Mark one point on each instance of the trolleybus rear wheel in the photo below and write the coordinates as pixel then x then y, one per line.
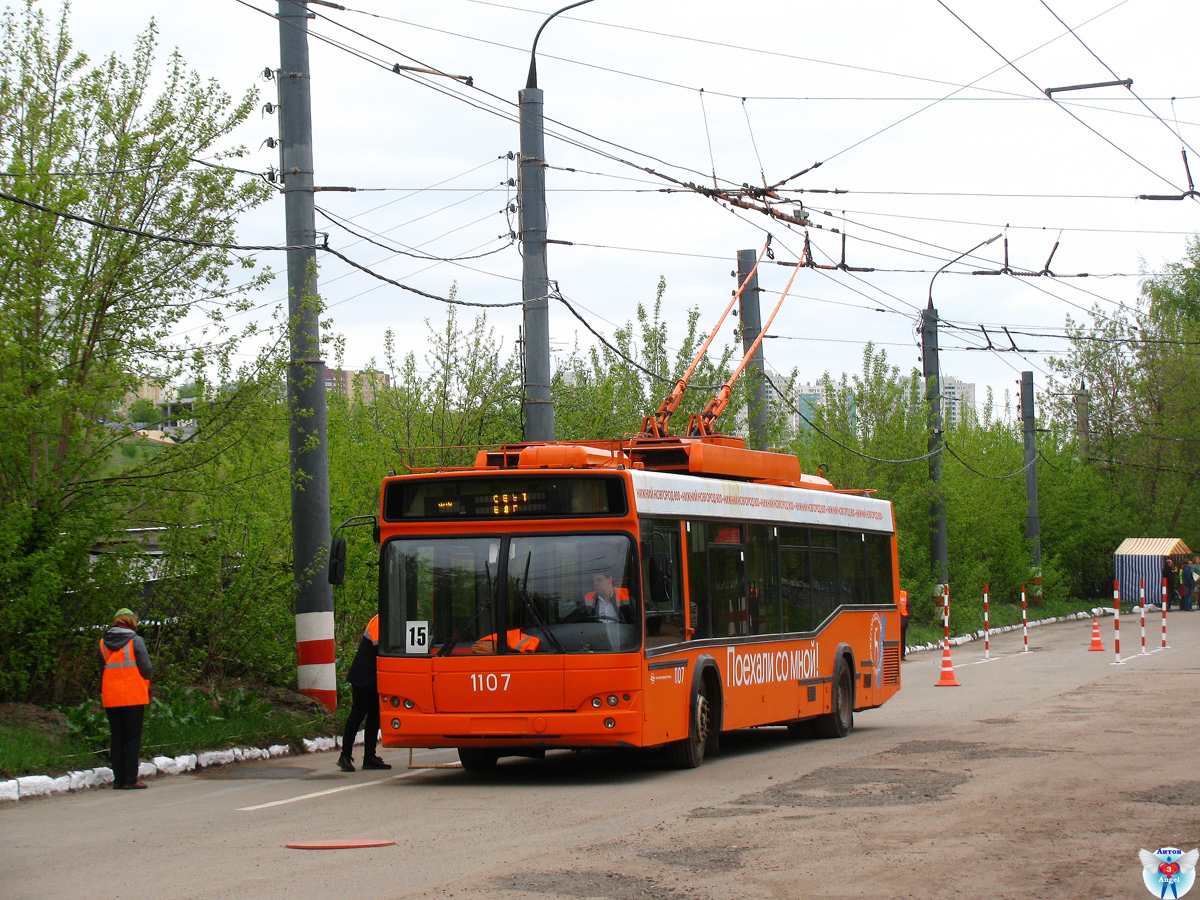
pixel 840 720
pixel 689 753
pixel 477 759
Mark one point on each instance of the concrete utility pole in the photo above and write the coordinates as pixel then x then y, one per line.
pixel 933 396
pixel 535 280
pixel 307 438
pixel 1083 402
pixel 1033 525
pixel 751 326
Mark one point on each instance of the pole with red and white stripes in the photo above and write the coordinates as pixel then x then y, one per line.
pixel 1024 622
pixel 1164 615
pixel 946 613
pixel 986 647
pixel 1142 598
pixel 1117 622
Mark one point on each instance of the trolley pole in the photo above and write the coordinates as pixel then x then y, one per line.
pixel 307 438
pixel 751 326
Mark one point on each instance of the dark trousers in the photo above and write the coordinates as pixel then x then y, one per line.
pixel 365 706
pixel 125 723
pixel 903 636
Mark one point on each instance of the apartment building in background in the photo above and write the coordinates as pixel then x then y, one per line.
pixel 368 383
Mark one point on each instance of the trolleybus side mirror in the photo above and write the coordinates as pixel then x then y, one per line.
pixel 337 560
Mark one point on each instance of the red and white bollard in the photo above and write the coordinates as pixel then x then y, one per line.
pixel 1142 599
pixel 1117 623
pixel 1024 622
pixel 986 647
pixel 1164 616
pixel 946 612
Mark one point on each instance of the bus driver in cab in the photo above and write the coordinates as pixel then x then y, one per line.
pixel 606 602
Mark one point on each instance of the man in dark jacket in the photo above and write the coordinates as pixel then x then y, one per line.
pixel 365 704
pixel 125 692
pixel 1171 574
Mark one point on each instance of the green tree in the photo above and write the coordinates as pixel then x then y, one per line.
pixel 87 313
pixel 1141 366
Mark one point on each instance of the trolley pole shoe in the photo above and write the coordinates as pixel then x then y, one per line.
pixel 947 679
pixel 1097 644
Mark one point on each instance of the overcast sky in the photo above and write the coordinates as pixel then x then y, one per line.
pixel 936 140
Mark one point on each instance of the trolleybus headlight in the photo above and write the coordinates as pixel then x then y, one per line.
pixel 612 699
pixel 596 702
pixel 610 723
pixel 408 704
pixel 395 701
pixel 395 724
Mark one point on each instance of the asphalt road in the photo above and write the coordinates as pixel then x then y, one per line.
pixel 1041 775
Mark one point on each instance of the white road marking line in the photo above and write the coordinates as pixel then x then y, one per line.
pixel 336 790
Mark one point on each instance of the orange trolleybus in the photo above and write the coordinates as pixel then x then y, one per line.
pixel 648 594
pixel 654 591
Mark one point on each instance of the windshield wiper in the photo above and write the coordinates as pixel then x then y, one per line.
pixel 453 641
pixel 532 607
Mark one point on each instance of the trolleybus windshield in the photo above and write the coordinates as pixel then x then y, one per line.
pixel 546 593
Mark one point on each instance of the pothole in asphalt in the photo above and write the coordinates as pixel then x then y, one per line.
pixel 963 750
pixel 712 859
pixel 1006 721
pixel 1179 793
pixel 610 885
pixel 713 812
pixel 265 772
pixel 849 787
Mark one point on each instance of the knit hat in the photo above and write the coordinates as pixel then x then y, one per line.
pixel 125 618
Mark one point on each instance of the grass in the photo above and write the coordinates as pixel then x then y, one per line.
pixel 34 741
pixel 28 750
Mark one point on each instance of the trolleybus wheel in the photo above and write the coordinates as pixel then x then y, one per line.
pixel 840 720
pixel 477 759
pixel 689 753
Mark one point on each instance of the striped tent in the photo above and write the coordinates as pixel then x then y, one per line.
pixel 1142 558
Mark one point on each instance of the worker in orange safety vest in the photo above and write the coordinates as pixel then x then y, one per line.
pixel 125 692
pixel 607 602
pixel 516 639
pixel 903 604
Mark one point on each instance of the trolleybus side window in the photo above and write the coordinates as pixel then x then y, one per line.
pixel 763 595
pixel 701 617
pixel 879 569
pixel 795 579
pixel 662 588
pixel 852 584
pixel 825 587
pixel 727 579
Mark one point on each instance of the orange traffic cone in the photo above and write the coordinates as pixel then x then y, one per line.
pixel 1096 644
pixel 947 679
